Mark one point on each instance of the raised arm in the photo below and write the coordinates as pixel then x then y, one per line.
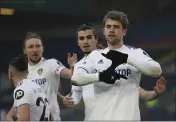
pixel 158 90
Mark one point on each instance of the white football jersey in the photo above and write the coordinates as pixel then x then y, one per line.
pixel 46 73
pixel 117 101
pixel 87 91
pixel 29 93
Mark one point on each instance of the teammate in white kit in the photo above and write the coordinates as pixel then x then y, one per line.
pixel 45 72
pixel 87 41
pixel 30 102
pixel 115 73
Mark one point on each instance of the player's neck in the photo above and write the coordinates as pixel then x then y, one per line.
pixel 86 54
pixel 117 46
pixel 32 62
pixel 18 79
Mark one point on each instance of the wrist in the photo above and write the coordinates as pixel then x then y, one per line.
pixel 156 94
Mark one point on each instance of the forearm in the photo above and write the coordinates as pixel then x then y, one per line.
pixel 148 67
pixel 147 95
pixel 84 79
pixel 10 114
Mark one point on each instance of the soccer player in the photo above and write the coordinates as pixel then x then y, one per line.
pixel 30 102
pixel 45 72
pixel 87 41
pixel 114 94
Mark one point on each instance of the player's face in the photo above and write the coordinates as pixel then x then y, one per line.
pixel 87 41
pixel 114 31
pixel 34 50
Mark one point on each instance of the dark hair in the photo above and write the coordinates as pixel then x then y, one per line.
pixel 30 35
pixel 86 27
pixel 117 15
pixel 19 63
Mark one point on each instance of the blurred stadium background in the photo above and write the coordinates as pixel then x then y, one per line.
pixel 152 27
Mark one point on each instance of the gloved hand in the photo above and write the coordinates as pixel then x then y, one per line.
pixel 116 57
pixel 109 76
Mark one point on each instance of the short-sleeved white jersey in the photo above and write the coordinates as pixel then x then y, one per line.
pixel 29 93
pixel 46 73
pixel 117 101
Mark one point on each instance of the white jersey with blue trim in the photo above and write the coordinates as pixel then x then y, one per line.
pixel 29 93
pixel 46 73
pixel 87 92
pixel 117 101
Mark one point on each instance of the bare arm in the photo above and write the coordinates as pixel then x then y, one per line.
pixel 147 95
pixel 10 114
pixel 24 113
pixel 158 90
pixel 66 73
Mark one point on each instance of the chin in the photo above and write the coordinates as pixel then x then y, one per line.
pixel 35 60
pixel 113 42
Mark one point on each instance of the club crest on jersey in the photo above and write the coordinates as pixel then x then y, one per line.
pixel 40 71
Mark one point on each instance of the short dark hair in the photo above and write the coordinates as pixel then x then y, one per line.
pixel 117 15
pixel 30 35
pixel 19 63
pixel 87 27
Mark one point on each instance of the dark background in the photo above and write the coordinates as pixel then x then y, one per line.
pixel 152 28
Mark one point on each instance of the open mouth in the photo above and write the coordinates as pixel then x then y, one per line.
pixel 86 46
pixel 111 35
pixel 35 55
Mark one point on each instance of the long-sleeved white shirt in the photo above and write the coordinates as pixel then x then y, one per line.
pixel 117 101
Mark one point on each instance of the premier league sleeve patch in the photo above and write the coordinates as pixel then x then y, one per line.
pixel 19 94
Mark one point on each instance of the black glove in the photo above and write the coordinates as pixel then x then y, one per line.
pixel 109 76
pixel 116 57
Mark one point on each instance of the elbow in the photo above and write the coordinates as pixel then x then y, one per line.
pixel 156 71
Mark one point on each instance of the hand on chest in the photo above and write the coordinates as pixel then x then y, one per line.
pixel 123 69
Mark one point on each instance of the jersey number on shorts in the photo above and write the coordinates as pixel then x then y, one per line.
pixel 45 103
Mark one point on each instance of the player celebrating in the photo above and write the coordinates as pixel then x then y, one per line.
pixel 30 102
pixel 115 95
pixel 45 72
pixel 87 41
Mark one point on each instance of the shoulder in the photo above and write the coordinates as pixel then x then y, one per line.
pixel 95 53
pixel 131 47
pixel 20 91
pixel 141 51
pixel 81 61
pixel 134 49
pixel 53 63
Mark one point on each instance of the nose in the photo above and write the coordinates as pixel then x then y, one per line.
pixel 85 41
pixel 35 49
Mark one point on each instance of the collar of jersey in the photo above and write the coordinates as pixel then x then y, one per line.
pixel 19 83
pixel 119 49
pixel 32 66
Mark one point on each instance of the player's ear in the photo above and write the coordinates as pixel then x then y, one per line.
pixel 104 31
pixel 10 74
pixel 124 32
pixel 24 51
